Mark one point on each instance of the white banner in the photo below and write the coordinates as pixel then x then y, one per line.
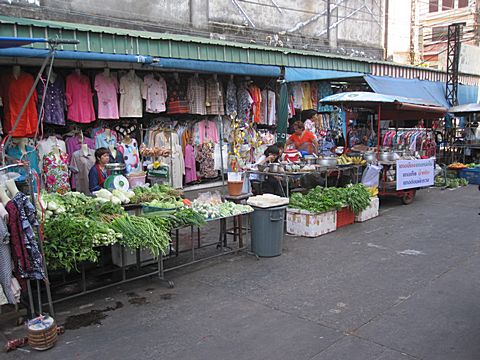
pixel 415 173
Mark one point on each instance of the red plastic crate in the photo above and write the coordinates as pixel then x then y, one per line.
pixel 345 217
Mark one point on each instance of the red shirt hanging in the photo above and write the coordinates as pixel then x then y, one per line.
pixel 14 94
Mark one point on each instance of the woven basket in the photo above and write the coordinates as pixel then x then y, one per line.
pixel 42 339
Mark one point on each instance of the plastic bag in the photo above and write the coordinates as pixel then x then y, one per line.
pixel 371 175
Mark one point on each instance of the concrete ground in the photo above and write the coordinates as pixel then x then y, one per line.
pixel 403 286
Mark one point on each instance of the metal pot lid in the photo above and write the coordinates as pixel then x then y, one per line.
pixel 115 166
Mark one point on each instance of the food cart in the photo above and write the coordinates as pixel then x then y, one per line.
pixel 401 174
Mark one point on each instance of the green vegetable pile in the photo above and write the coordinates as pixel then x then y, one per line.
pixel 319 200
pixel 140 232
pixel 219 210
pixel 450 183
pixel 163 193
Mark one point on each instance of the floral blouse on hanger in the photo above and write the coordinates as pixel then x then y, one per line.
pixel 55 172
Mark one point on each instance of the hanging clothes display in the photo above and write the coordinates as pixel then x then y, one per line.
pixel 14 93
pixel 206 160
pixel 55 172
pixel 268 106
pixel 244 103
pixel 129 149
pixel 131 94
pixel 190 165
pixel 196 94
pixel 314 92
pixel 79 96
pixel 205 130
pixel 74 143
pixel 297 93
pixel 6 268
pixel 307 96
pixel 106 86
pixel 55 104
pixel 324 90
pixel 214 97
pixel 29 154
pixel 177 98
pixel 47 145
pixel 256 95
pixel 218 156
pixel 80 165
pixel 105 138
pixel 155 93
pixel 231 98
pixel 22 220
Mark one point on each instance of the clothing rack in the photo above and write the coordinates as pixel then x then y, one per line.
pixel 29 178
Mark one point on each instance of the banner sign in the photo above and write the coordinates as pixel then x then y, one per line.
pixel 415 173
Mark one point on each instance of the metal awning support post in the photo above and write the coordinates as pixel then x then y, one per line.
pixel 378 130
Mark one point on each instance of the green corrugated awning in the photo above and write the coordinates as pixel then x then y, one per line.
pixel 133 42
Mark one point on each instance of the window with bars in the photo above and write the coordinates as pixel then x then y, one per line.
pixel 439 33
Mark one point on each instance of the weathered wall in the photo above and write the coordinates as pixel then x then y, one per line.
pixel 356 25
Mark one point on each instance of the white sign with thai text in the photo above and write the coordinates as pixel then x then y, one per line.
pixel 415 173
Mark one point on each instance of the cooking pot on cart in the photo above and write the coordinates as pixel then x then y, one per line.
pixel 310 159
pixel 370 156
pixel 327 161
pixel 386 156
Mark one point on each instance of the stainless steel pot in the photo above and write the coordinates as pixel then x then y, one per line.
pixel 328 161
pixel 370 156
pixel 386 156
pixel 310 159
pixel 275 167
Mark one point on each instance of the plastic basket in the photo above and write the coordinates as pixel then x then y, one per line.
pixel 345 217
pixel 472 175
pixel 136 180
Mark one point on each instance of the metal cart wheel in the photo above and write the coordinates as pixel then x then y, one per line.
pixel 408 197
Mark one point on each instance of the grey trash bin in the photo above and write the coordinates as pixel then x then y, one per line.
pixel 267 231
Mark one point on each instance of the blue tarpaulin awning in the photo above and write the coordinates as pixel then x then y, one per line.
pixel 218 67
pixel 431 91
pixel 302 74
pixel 12 42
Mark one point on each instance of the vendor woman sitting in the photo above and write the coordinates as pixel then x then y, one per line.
pixel 303 140
pixel 98 173
pixel 270 183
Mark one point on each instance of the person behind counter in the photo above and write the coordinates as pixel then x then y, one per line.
pixel 271 183
pixel 98 173
pixel 303 140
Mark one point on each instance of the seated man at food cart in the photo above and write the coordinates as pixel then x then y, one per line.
pixel 303 140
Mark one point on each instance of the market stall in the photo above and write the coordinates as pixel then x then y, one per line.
pixel 406 155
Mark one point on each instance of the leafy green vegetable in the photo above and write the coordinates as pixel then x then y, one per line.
pixel 139 232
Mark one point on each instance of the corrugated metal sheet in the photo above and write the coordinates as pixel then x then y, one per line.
pixel 124 41
pixel 410 72
pixel 133 42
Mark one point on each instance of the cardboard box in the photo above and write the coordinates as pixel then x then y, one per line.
pixel 305 223
pixel 370 212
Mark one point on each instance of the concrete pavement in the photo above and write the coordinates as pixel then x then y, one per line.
pixel 403 286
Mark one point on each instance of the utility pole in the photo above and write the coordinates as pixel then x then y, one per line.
pixel 413 23
pixel 385 38
pixel 453 59
pixel 329 20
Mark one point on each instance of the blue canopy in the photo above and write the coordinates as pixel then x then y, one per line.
pixel 12 42
pixel 363 97
pixel 432 91
pixel 302 74
pixel 218 67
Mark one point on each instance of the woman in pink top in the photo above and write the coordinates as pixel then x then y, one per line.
pixel 78 94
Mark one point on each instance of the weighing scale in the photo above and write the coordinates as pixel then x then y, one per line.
pixel 116 179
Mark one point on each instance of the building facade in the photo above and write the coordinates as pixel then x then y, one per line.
pixel 434 16
pixel 344 27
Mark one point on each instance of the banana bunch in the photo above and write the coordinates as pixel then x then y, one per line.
pixel 373 190
pixel 358 160
pixel 344 160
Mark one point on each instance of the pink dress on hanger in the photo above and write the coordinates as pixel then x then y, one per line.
pixel 190 166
